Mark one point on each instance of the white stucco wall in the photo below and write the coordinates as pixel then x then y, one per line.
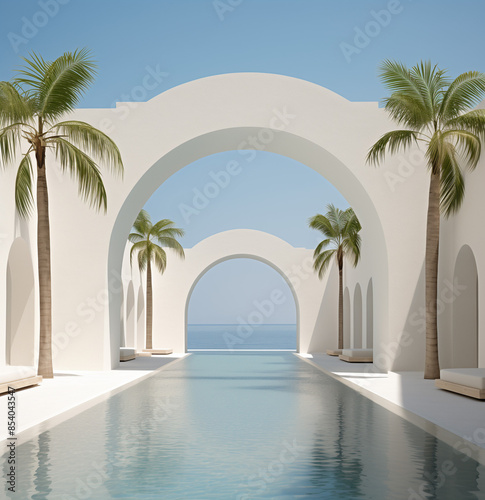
pixel 244 111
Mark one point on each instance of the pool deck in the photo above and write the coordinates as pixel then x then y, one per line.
pixel 41 407
pixel 457 420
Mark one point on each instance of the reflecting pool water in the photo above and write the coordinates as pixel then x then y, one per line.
pixel 242 426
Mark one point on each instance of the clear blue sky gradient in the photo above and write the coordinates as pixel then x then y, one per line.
pixel 186 39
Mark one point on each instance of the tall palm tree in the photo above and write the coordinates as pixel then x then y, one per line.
pixel 342 240
pixel 436 113
pixel 31 106
pixel 148 241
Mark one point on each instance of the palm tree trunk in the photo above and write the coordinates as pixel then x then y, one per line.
pixel 432 366
pixel 340 307
pixel 149 344
pixel 44 266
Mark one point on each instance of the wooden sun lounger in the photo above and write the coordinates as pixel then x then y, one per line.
pixel 334 352
pixel 20 384
pixel 465 381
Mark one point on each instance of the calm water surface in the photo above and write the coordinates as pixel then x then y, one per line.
pixel 242 426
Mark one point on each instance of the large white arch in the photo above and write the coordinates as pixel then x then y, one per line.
pixel 242 112
pixel 357 329
pixel 173 289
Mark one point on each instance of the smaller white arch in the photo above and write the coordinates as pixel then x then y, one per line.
pixel 346 318
pixel 20 320
pixel 465 311
pixel 140 320
pixel 357 329
pixel 369 316
pixel 130 316
pixel 172 291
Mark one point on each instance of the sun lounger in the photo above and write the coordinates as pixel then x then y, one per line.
pixel 18 377
pixel 334 352
pixel 466 381
pixel 127 353
pixel 357 355
pixel 159 351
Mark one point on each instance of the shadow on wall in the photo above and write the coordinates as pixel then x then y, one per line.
pixel 325 332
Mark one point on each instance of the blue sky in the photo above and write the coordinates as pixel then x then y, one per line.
pixel 337 44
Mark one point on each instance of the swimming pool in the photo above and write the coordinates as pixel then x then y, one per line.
pixel 242 426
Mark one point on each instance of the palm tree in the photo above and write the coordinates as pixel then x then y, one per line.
pixel 31 106
pixel 148 241
pixel 436 113
pixel 342 240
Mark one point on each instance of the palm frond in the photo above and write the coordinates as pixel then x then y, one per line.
pixel 135 237
pixel 452 185
pixel 136 249
pixel 143 223
pixel 60 84
pixel 464 93
pixel 323 260
pixel 9 141
pixel 85 171
pixel 469 145
pixel 15 107
pixel 322 224
pixel 24 200
pixel 321 246
pixel 391 141
pixel 92 141
pixel 159 257
pixel 473 121
pixel 406 111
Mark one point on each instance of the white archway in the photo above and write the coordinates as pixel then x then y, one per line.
pixel 256 316
pixel 465 311
pixel 20 327
pixel 347 317
pixel 369 316
pixel 130 316
pixel 357 330
pixel 238 112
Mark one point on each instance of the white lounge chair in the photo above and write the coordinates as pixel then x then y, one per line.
pixel 127 353
pixel 18 377
pixel 159 351
pixel 334 352
pixel 466 381
pixel 357 355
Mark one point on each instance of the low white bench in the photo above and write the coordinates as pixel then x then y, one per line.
pixel 466 381
pixel 127 353
pixel 334 352
pixel 159 351
pixel 18 377
pixel 357 355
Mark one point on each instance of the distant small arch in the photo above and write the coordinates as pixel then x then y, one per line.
pixel 369 315
pixel 130 316
pixel 465 310
pixel 357 317
pixel 346 318
pixel 20 327
pixel 140 319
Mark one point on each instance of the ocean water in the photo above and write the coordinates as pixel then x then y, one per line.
pixel 240 426
pixel 241 337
